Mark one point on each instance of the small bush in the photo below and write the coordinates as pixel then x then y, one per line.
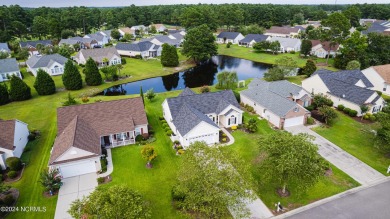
pixel 228 44
pixel 310 108
pixel 346 110
pixel 167 129
pixel 12 174
pixel 14 163
pixel 139 138
pixel 205 89
pixel 100 180
pixel 31 136
pixel 165 125
pixel 352 113
pixel 107 44
pixel 372 118
pixel 176 195
pixel 224 139
pixel 138 57
pixel 176 142
pixel 169 133
pixel 234 127
pixel 179 147
pixel 82 65
pixel 180 151
pixel 367 116
pixel 161 118
pixel 310 121
pixel 223 134
pixel 123 61
pixel 143 142
pixel 85 99
pixel 9 200
pixel 340 107
pixel 103 163
pixel 292 52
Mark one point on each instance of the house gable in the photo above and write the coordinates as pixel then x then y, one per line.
pixel 73 153
pixel 201 128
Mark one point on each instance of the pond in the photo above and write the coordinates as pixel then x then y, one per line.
pixel 205 74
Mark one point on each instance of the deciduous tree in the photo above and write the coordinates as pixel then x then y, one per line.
pixel 199 44
pixel 149 154
pixel 352 65
pixel 327 113
pixel 309 68
pixel 115 34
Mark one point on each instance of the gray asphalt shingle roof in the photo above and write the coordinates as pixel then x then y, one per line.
pixel 256 37
pixel 96 36
pixel 8 65
pixel 342 84
pixel 228 35
pixel 376 27
pixel 165 39
pixel 35 43
pixel 189 109
pixel 4 46
pixel 99 54
pixel 46 60
pixel 264 93
pixel 140 46
pixel 286 42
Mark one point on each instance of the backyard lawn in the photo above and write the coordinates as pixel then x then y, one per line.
pixel 248 149
pixel 248 53
pixel 357 139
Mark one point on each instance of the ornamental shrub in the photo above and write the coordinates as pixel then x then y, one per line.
pixel 19 90
pixel 44 84
pixel 14 163
pixel 139 138
pixel 352 113
pixel 12 174
pixel 346 110
pixel 340 107
pixel 310 121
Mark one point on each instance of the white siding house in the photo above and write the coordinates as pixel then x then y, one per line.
pixel 9 67
pixel 13 139
pixel 99 55
pixel 379 76
pixel 229 37
pixel 53 64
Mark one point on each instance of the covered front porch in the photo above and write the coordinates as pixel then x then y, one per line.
pixel 119 139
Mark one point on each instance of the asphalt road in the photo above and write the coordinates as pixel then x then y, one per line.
pixel 371 203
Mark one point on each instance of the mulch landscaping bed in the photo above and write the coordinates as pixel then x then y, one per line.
pixel 364 121
pixel 47 194
pixel 17 178
pixel 15 193
pixel 107 179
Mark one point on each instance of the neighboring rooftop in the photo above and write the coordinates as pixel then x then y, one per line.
pixel 189 109
pixel 139 46
pixel 8 65
pixel 383 71
pixel 228 35
pixel 256 37
pixel 35 43
pixel 326 45
pixel 45 60
pixel 282 30
pixel 378 26
pixel 99 54
pixel 286 42
pixel 7 134
pixel 4 47
pixel 272 95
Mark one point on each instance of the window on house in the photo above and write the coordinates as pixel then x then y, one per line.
pixel 296 109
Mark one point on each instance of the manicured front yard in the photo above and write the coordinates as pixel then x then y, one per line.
pixel 247 148
pixel 248 53
pixel 357 139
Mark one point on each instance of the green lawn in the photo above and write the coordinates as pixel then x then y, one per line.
pixel 356 139
pixel 296 79
pixel 248 53
pixel 246 147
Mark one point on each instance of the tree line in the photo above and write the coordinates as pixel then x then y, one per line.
pixel 16 21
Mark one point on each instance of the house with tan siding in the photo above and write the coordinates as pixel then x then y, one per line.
pixel 379 76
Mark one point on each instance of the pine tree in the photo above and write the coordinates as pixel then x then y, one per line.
pixel 309 68
pixel 4 96
pixel 19 90
pixel 44 84
pixel 92 74
pixel 169 57
pixel 71 77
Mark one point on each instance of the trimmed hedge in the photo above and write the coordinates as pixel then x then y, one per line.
pixel 14 163
pixel 12 174
pixel 341 107
pixel 346 110
pixel 352 113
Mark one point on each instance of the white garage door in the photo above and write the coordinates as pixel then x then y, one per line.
pixel 76 169
pixel 208 139
pixel 294 121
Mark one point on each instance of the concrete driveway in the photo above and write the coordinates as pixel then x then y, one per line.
pixel 72 189
pixel 352 166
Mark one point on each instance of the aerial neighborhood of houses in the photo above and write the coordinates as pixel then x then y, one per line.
pixel 87 137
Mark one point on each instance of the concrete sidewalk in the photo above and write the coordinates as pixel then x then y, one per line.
pixel 110 165
pixel 352 166
pixel 257 209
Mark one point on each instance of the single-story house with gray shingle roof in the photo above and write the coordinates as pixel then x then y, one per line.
pixel 4 48
pixel 13 139
pixel 251 39
pixel 378 26
pixel 287 44
pixel 159 40
pixel 53 64
pixel 32 45
pixel 9 67
pixel 280 102
pixel 198 117
pixel 285 31
pixel 85 43
pixel 229 37
pixel 350 88
pixel 101 39
pixel 99 55
pixel 145 49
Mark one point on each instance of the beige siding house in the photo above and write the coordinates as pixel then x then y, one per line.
pixel 99 55
pixel 379 76
pixel 280 102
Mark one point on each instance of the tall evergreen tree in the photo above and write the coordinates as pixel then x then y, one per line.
pixel 141 93
pixel 44 84
pixel 169 57
pixel 71 77
pixel 19 90
pixel 92 74
pixel 309 68
pixel 4 96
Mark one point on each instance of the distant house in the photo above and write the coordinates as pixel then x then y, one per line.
pixel 83 130
pixel 101 39
pixel 4 48
pixel 85 43
pixel 106 33
pixel 182 31
pixel 127 30
pixel 145 49
pixel 159 27
pixel 13 139
pixel 229 37
pixel 379 76
pixel 378 26
pixel 251 39
pixel 32 45
pixel 285 31
pixel 53 64
pixel 9 67
pixel 287 44
pixel 280 102
pixel 350 88
pixel 159 40
pixel 99 55
pixel 366 21
pixel 139 27
pixel 320 49
pixel 198 117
